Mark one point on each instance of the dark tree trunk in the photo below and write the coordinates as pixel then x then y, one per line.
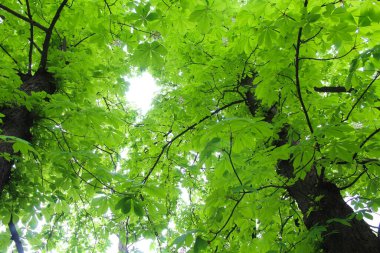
pixel 338 238
pixel 18 120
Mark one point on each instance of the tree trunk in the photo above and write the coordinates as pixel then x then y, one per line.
pixel 338 238
pixel 18 120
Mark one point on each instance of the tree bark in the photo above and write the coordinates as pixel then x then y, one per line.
pixel 18 120
pixel 15 236
pixel 338 238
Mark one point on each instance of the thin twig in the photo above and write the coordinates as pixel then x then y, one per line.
pixel 7 53
pixel 36 46
pixel 328 59
pixel 230 232
pixel 362 95
pixel 154 230
pixel 365 141
pixel 229 154
pixel 355 180
pixel 85 38
pixel 51 231
pixel 108 6
pixel 134 28
pixel 312 37
pixel 193 126
pixel 229 217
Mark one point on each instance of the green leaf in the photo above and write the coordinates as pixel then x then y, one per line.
pixel 200 244
pixel 138 209
pixel 124 205
pixel 341 221
pixel 210 147
pixel 180 240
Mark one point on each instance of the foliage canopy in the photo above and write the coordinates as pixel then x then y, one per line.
pixel 268 117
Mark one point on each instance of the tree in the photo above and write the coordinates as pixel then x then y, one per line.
pixel 266 124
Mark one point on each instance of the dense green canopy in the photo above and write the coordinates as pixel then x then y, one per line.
pixel 266 123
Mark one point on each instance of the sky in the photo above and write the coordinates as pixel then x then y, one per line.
pixel 141 92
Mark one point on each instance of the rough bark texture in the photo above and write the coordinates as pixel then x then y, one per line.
pixel 339 238
pixel 356 238
pixel 18 120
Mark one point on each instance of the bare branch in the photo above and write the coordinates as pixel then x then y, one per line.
pixel 15 236
pixel 325 4
pixel 229 217
pixel 329 89
pixel 362 95
pixel 34 23
pixel 31 39
pixel 328 59
pixel 297 81
pixel 355 180
pixel 369 137
pixel 134 28
pixel 85 38
pixel 230 232
pixel 108 6
pixel 154 230
pixel 7 53
pixel 49 32
pixel 36 46
pixel 229 154
pixel 312 37
pixel 193 126
pixel 364 142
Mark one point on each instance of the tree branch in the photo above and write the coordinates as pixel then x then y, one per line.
pixel 193 126
pixel 34 23
pixel 312 37
pixel 365 141
pixel 329 89
pixel 134 28
pixel 15 236
pixel 328 59
pixel 7 53
pixel 362 95
pixel 85 38
pixel 31 38
pixel 355 180
pixel 297 81
pixel 36 46
pixel 369 137
pixel 154 230
pixel 49 32
pixel 229 217
pixel 229 153
pixel 230 232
